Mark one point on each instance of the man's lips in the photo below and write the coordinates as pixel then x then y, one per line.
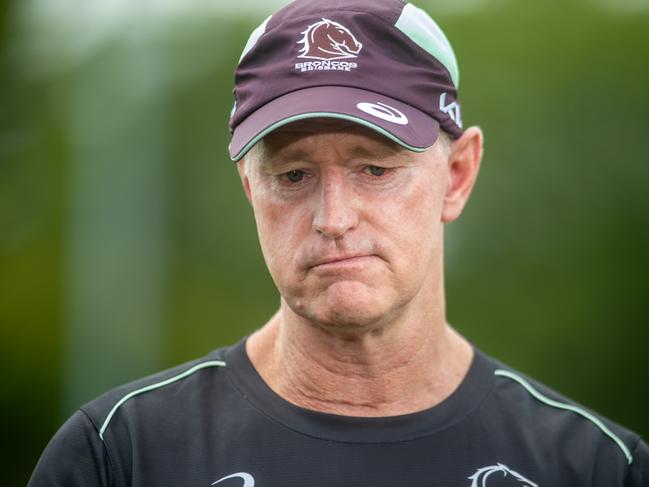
pixel 342 261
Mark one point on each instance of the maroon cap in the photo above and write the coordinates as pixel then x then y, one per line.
pixel 384 64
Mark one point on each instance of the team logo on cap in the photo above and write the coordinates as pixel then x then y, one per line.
pixel 327 42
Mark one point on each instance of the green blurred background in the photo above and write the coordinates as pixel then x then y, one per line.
pixel 127 246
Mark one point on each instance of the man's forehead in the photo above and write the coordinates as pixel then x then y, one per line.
pixel 301 133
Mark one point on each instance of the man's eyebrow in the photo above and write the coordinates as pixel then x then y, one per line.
pixel 376 152
pixel 283 156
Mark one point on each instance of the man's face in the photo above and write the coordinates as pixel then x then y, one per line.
pixel 350 223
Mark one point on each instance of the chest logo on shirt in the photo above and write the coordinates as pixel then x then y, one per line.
pixel 248 480
pixel 499 476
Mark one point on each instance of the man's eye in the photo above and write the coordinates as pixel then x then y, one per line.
pixel 295 176
pixel 376 170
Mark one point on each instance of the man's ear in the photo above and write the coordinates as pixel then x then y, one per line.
pixel 244 178
pixel 463 165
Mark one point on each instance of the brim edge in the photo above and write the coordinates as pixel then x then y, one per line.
pixel 341 116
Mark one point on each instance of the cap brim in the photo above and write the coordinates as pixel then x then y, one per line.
pixel 405 125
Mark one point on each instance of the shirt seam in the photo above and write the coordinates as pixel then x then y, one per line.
pixel 628 466
pixel 111 463
pixel 566 405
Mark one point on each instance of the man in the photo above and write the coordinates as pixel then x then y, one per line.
pixel 348 135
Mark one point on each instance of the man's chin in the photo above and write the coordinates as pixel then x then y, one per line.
pixel 349 305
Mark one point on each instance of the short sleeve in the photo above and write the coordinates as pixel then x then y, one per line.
pixel 74 457
pixel 638 473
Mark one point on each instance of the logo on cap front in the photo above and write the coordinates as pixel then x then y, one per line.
pixel 327 42
pixel 384 112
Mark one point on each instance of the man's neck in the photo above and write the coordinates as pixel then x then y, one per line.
pixel 388 371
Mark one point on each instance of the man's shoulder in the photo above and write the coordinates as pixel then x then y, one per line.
pixel 158 390
pixel 542 411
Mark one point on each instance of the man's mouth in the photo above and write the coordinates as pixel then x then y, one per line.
pixel 343 261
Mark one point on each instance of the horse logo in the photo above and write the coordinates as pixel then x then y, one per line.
pixel 326 40
pixel 499 476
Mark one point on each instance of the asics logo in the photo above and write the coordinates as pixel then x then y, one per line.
pixel 499 475
pixel 384 112
pixel 248 480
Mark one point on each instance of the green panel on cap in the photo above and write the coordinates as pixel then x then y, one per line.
pixel 425 32
pixel 252 40
pixel 254 37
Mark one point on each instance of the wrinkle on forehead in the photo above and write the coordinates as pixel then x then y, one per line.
pixel 288 142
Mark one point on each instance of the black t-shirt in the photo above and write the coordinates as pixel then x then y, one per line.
pixel 215 422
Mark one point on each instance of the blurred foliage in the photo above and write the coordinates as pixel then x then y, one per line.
pixel 545 271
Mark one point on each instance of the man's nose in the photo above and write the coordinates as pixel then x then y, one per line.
pixel 336 205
